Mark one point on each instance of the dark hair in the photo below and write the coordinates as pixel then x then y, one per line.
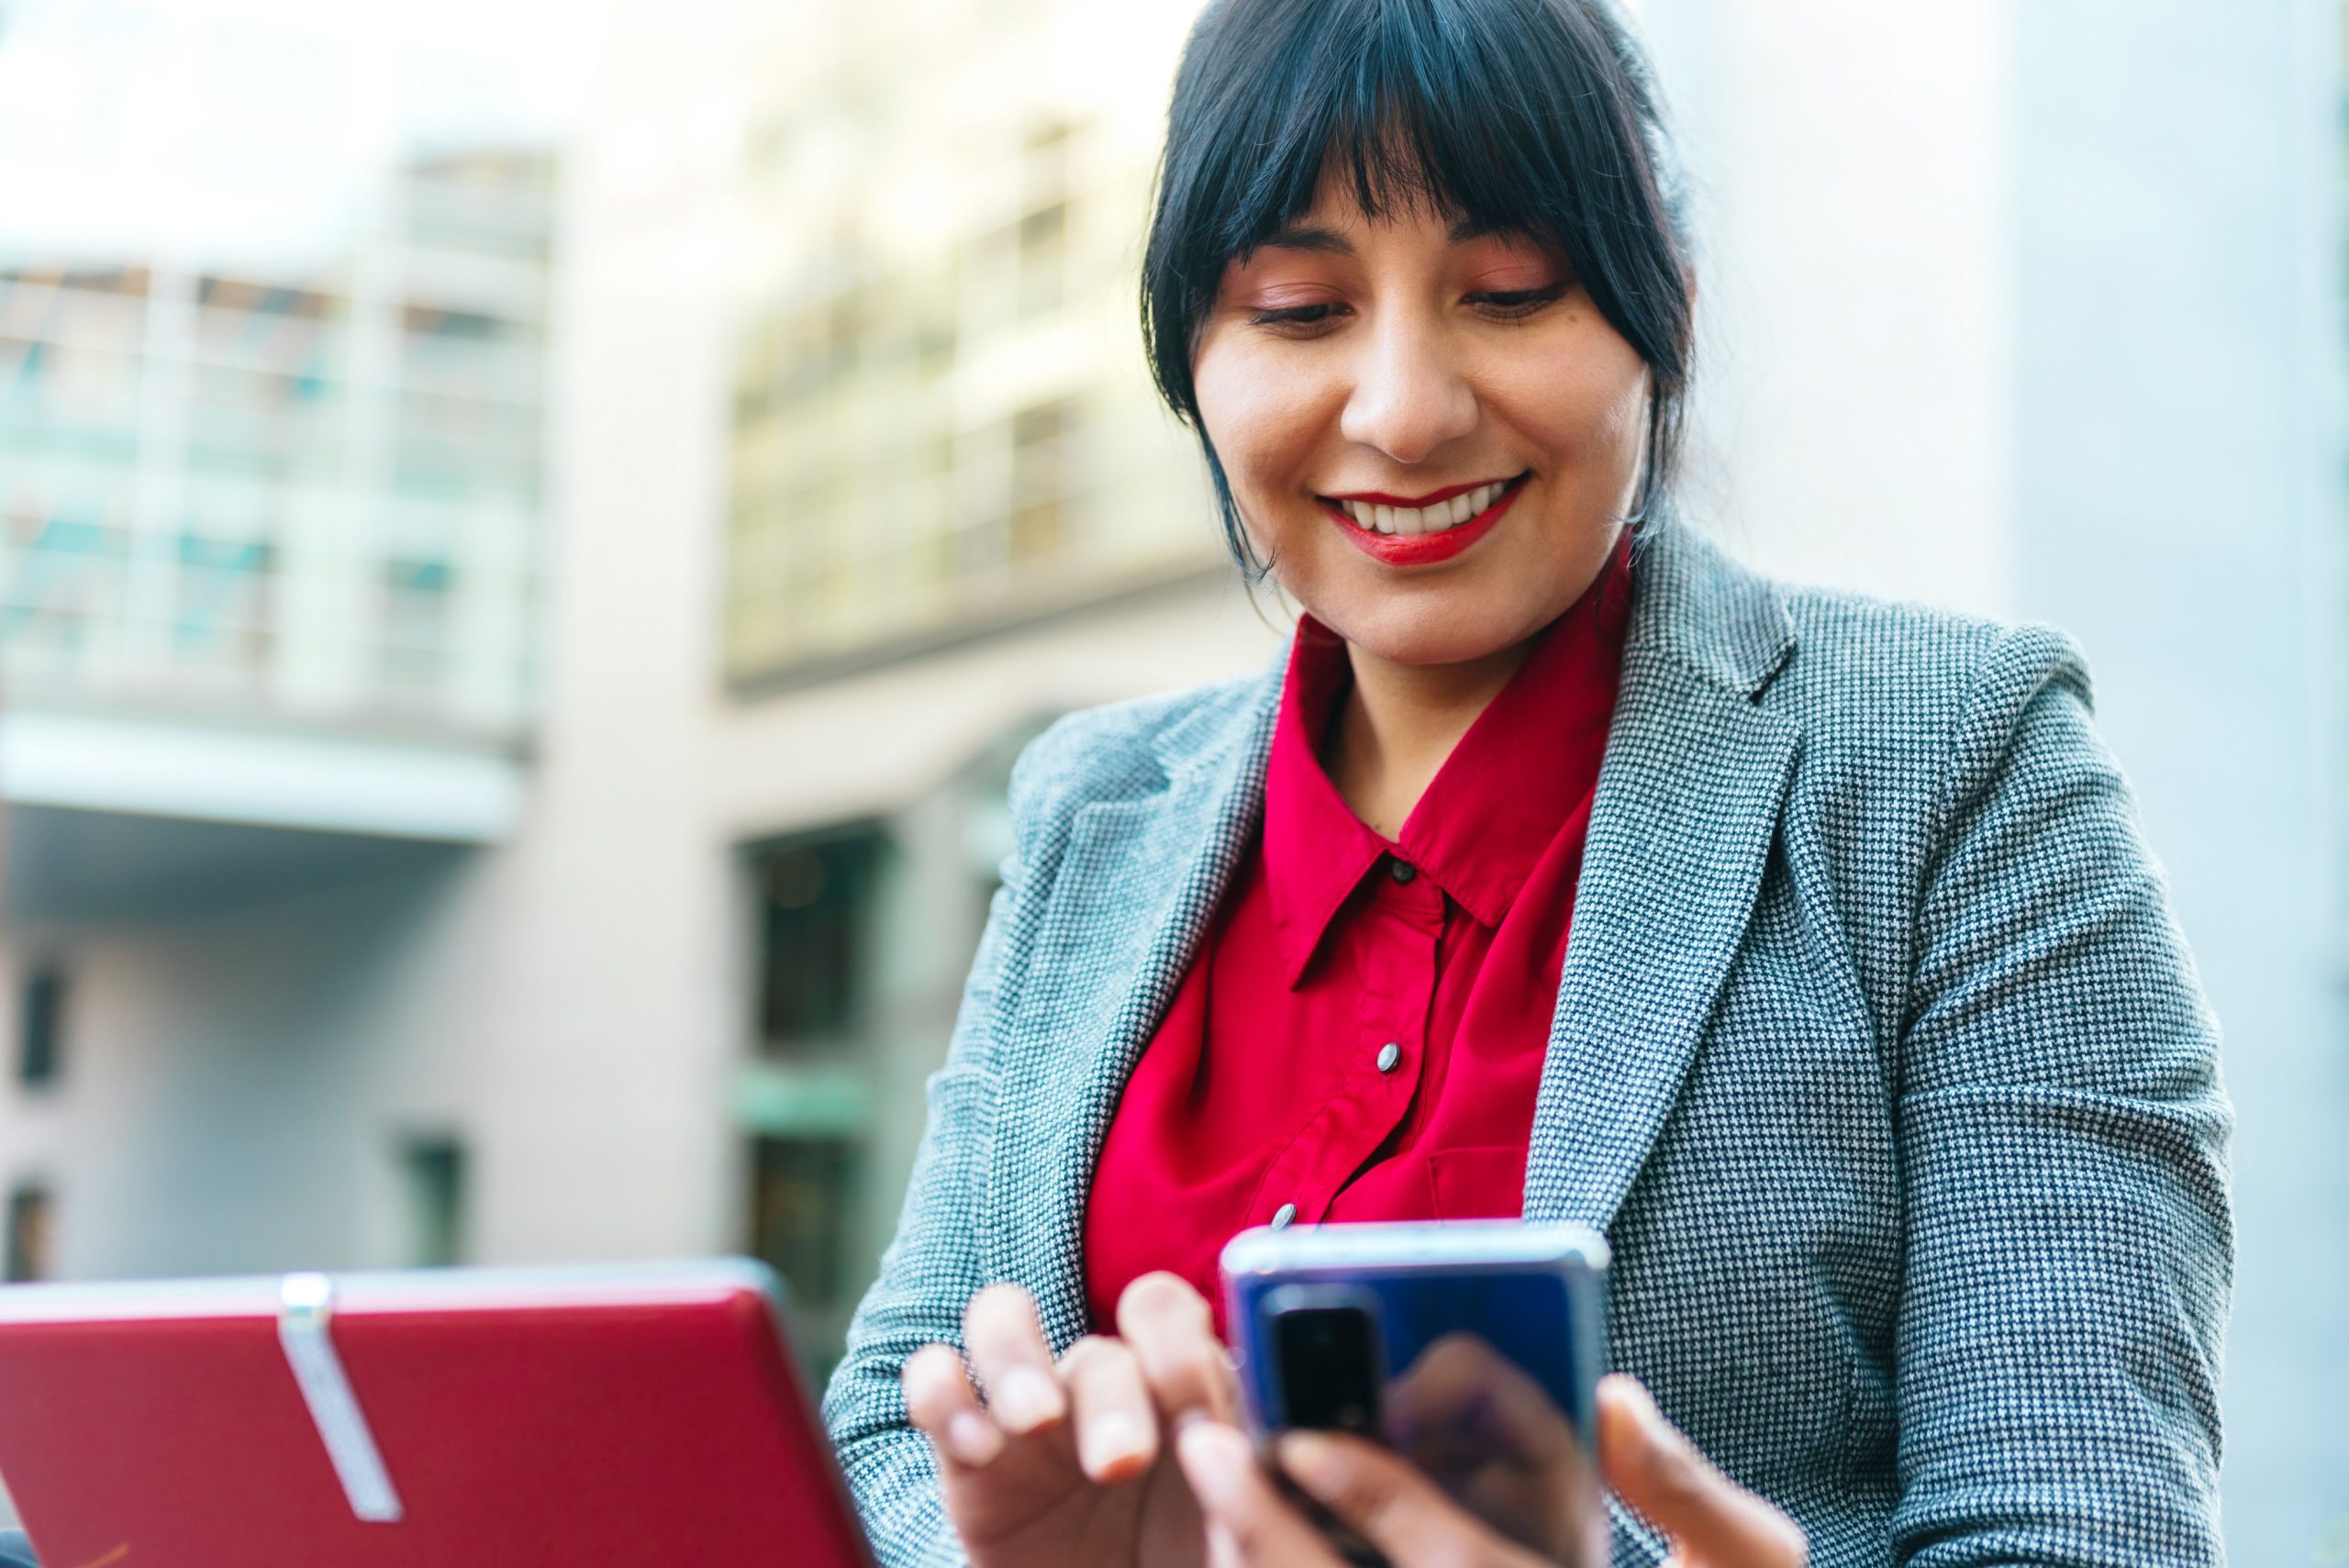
pixel 1519 117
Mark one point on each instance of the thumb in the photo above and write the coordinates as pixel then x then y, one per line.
pixel 1712 1522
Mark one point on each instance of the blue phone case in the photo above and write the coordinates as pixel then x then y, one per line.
pixel 1534 1294
pixel 1482 1355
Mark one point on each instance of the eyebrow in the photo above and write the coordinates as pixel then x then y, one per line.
pixel 1330 242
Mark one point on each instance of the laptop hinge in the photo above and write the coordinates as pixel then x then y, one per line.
pixel 306 1308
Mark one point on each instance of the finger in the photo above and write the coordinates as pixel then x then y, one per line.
pixel 1653 1466
pixel 941 1401
pixel 1007 1350
pixel 1462 1390
pixel 1172 1332
pixel 1248 1525
pixel 1393 1506
pixel 1117 1431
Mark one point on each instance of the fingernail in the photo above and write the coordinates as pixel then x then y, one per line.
pixel 1311 1461
pixel 1215 1461
pixel 1644 1405
pixel 974 1438
pixel 1633 1389
pixel 1027 1399
pixel 1112 1444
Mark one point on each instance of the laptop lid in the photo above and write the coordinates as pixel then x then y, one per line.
pixel 556 1417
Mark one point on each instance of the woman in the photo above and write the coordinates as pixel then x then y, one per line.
pixel 1875 1049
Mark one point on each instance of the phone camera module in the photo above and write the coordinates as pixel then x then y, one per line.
pixel 1329 1368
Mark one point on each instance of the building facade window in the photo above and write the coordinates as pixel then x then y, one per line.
pixel 941 433
pixel 817 903
pixel 40 1028
pixel 31 1240
pixel 342 498
pixel 433 1176
pixel 802 1203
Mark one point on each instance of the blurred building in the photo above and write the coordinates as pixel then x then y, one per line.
pixel 269 541
pixel 938 426
pixel 285 492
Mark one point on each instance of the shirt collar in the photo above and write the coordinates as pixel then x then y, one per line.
pixel 1499 800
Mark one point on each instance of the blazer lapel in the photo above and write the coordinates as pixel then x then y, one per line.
pixel 1687 808
pixel 1139 884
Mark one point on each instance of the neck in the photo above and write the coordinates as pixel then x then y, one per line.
pixel 1398 723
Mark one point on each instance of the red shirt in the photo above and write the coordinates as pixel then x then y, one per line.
pixel 1362 1033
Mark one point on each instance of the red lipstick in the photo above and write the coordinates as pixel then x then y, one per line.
pixel 1423 549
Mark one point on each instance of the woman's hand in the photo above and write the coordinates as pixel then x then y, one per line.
pixel 1070 1464
pixel 1713 1522
pixel 1472 1421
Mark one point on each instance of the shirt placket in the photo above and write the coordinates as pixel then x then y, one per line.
pixel 1378 1066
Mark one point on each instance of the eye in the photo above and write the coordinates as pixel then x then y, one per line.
pixel 1299 320
pixel 1516 304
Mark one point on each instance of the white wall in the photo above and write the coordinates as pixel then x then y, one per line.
pixel 2179 496
pixel 1848 168
pixel 220 1070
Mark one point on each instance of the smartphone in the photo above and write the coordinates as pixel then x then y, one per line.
pixel 1472 1349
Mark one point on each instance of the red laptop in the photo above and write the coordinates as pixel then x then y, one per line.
pixel 522 1417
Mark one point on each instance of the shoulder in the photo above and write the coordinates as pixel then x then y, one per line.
pixel 1122 749
pixel 1912 707
pixel 1860 643
pixel 1825 657
pixel 1876 674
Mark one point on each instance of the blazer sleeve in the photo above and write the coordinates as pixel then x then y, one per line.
pixel 2063 1143
pixel 934 1265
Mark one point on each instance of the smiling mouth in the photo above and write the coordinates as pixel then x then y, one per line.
pixel 1437 517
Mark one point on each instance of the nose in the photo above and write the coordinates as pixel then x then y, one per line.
pixel 1411 394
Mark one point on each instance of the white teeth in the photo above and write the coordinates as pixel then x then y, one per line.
pixel 1432 519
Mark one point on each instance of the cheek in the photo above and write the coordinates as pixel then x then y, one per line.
pixel 1265 417
pixel 1583 401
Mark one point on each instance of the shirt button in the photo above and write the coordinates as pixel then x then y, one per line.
pixel 1402 871
pixel 1283 1215
pixel 1388 1055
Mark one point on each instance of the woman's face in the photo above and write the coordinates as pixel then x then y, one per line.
pixel 1358 376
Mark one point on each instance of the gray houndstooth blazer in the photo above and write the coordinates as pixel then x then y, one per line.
pixel 1877 1054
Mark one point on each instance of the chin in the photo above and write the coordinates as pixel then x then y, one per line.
pixel 1427 633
